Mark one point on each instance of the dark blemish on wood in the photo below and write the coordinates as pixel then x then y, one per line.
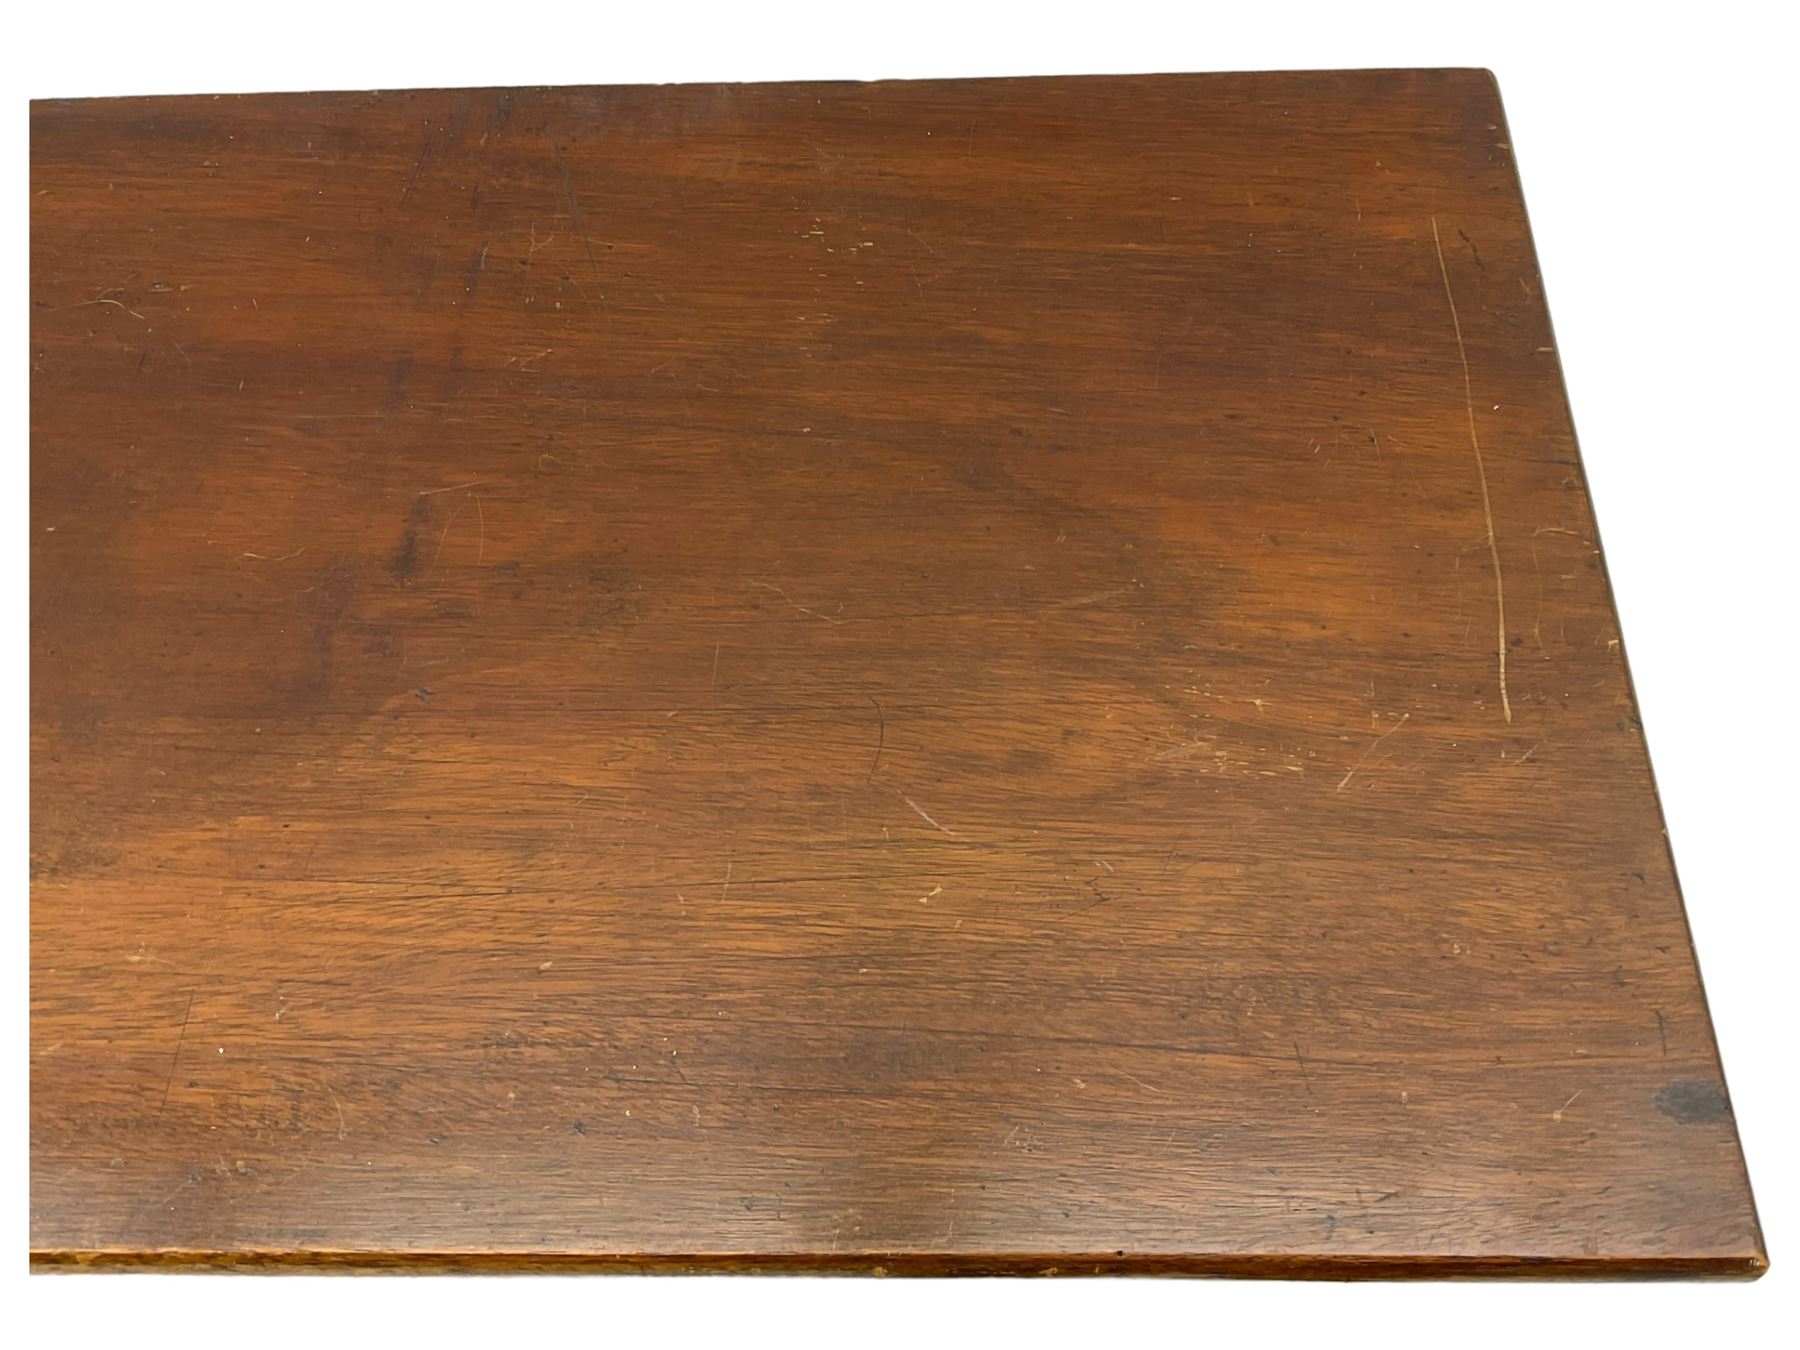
pixel 453 382
pixel 406 558
pixel 458 125
pixel 80 720
pixel 398 380
pixel 325 602
pixel 1662 1033
pixel 984 472
pixel 503 110
pixel 1693 1101
pixel 422 693
pixel 382 640
pixel 425 269
pixel 611 601
pixel 1027 759
pixel 477 265
pixel 579 1127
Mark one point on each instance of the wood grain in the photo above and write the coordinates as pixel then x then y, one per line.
pixel 954 677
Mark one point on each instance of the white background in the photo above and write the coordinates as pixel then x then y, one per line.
pixel 1657 154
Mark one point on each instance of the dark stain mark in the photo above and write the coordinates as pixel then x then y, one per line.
pixel 426 270
pixel 459 119
pixel 80 720
pixel 398 380
pixel 325 602
pixel 477 265
pixel 86 845
pixel 1693 1101
pixel 579 1128
pixel 1662 1033
pixel 453 382
pixel 611 600
pixel 503 108
pixel 422 693
pixel 984 472
pixel 406 557
pixel 568 183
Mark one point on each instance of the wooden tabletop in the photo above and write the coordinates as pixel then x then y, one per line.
pixel 1009 675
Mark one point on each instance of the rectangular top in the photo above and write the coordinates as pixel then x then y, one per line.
pixel 1001 675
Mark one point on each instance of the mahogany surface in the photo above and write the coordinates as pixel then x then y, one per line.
pixel 1007 675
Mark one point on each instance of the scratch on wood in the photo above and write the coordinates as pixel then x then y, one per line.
pixel 811 613
pixel 175 1058
pixel 1373 745
pixel 568 183
pixel 1305 1077
pixel 1487 505
pixel 880 740
pixel 418 166
pixel 920 812
pixel 339 1107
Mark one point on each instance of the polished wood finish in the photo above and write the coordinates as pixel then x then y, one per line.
pixel 1006 675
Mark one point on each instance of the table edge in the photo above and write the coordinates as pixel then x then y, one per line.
pixel 1218 1265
